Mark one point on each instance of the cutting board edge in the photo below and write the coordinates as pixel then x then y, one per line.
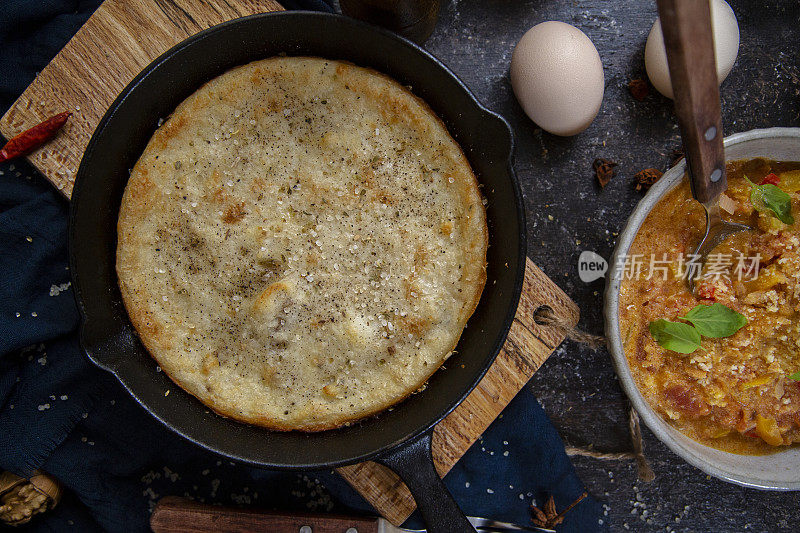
pixel 389 496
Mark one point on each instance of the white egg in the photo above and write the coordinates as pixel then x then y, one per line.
pixel 557 77
pixel 726 47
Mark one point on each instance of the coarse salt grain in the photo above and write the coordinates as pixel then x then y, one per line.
pixel 55 290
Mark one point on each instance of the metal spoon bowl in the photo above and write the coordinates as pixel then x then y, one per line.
pixel 717 230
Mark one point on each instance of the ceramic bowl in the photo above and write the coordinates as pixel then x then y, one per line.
pixel 779 471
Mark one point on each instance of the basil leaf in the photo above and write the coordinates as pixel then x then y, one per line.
pixel 675 336
pixel 795 376
pixel 769 196
pixel 715 320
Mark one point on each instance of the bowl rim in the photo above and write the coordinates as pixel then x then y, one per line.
pixel 653 420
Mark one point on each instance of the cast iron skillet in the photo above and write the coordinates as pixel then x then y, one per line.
pixel 399 438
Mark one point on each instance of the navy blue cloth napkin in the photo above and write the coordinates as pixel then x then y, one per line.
pixel 61 414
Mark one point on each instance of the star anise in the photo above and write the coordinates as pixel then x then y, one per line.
pixel 604 170
pixel 677 155
pixel 647 177
pixel 548 517
pixel 639 89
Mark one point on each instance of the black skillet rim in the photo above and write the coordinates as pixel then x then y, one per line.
pixel 501 334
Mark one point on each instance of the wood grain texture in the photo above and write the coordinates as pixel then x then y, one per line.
pixel 528 345
pixel 689 43
pixel 116 43
pixel 178 515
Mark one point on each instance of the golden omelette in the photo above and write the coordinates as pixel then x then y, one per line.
pixel 301 243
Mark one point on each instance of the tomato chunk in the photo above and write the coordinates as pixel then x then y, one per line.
pixel 687 400
pixel 771 179
pixel 706 291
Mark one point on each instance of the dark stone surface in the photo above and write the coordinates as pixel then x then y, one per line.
pixel 578 387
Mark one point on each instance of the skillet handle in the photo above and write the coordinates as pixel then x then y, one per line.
pixel 414 464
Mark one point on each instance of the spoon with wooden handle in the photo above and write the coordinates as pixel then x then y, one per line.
pixel 688 38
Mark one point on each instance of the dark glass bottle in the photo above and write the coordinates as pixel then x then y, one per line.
pixel 414 19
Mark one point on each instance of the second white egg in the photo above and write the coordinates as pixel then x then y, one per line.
pixel 726 47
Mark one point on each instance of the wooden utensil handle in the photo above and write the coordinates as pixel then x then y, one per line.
pixel 178 515
pixel 689 41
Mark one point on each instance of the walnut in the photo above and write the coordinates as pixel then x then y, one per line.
pixel 647 177
pixel 21 499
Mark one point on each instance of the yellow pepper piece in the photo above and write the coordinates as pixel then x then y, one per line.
pixel 721 432
pixel 763 380
pixel 767 278
pixel 767 429
pixel 790 181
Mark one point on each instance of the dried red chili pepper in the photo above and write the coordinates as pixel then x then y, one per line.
pixel 770 179
pixel 31 139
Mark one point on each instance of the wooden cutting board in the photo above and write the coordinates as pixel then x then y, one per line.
pixel 528 346
pixel 118 41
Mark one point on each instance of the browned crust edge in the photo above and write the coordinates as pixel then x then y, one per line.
pixel 133 204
